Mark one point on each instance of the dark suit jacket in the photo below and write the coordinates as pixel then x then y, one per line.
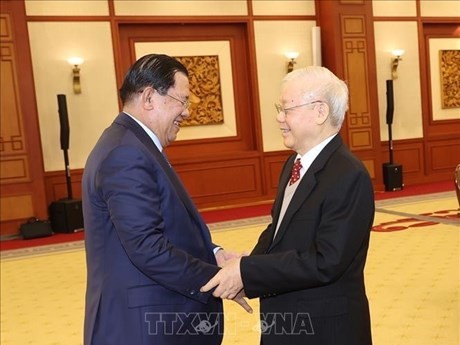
pixel 310 277
pixel 148 250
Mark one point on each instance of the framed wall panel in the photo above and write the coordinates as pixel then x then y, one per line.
pixel 220 49
pixel 160 35
pixel 439 124
pixel 22 192
pixel 231 150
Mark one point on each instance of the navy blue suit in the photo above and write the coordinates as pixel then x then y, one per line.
pixel 148 250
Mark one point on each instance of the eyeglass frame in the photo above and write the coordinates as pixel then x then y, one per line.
pixel 280 109
pixel 185 104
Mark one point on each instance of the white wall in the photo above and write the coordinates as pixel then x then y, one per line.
pixel 283 7
pixel 180 7
pixel 273 39
pixel 440 8
pixel 408 121
pixel 66 8
pixel 387 8
pixel 52 43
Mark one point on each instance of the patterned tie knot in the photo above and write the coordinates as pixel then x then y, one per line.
pixel 295 174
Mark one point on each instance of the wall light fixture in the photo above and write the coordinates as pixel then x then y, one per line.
pixel 76 62
pixel 291 56
pixel 397 53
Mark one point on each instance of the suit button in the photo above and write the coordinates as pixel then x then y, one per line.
pixel 192 292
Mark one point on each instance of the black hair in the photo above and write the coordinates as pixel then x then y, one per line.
pixel 154 70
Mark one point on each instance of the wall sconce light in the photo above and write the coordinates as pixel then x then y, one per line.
pixel 397 53
pixel 291 56
pixel 76 62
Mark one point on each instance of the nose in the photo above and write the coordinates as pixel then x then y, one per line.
pixel 280 116
pixel 186 113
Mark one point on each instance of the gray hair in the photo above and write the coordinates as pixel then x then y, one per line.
pixel 321 84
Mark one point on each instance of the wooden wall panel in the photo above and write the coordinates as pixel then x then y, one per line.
pixel 412 158
pixel 355 64
pixel 210 184
pixel 12 140
pixel 425 162
pixel 408 153
pixel 56 185
pixel 218 183
pixel 443 156
pixel 370 166
pixel 248 136
pixel 21 166
pixel 16 207
pixel 348 50
pixel 435 129
pixel 273 163
pixel 14 169
pixel 6 33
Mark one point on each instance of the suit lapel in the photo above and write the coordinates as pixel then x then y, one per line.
pixel 129 123
pixel 304 189
pixel 283 181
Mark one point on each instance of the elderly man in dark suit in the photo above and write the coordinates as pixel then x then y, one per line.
pixel 307 267
pixel 148 250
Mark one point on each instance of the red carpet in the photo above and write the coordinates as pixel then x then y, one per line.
pixel 220 215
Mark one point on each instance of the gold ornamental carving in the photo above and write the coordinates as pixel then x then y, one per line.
pixel 449 64
pixel 205 88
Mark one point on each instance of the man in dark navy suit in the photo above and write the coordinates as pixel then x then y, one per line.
pixel 308 265
pixel 148 250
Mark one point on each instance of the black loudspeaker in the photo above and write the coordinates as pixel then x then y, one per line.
pixel 66 215
pixel 392 177
pixel 35 228
pixel 390 102
pixel 64 121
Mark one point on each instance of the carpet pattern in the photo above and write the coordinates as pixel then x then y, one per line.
pixel 412 277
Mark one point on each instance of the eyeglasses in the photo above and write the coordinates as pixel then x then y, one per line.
pixel 281 109
pixel 185 103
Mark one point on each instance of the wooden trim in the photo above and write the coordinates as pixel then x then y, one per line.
pixel 348 49
pixel 32 184
pixel 248 137
pixel 446 129
pixel 67 18
pixel 425 161
pixel 56 185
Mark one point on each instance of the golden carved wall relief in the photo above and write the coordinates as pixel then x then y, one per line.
pixel 205 85
pixel 449 64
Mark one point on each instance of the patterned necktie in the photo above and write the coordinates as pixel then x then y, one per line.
pixel 295 174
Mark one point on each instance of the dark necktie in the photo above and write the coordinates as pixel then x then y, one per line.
pixel 295 174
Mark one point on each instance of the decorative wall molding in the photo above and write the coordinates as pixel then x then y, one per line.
pixel 205 86
pixel 21 166
pixel 449 65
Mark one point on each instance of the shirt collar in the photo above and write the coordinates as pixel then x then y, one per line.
pixel 308 158
pixel 149 132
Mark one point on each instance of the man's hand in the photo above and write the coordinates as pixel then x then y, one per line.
pixel 227 281
pixel 242 302
pixel 222 256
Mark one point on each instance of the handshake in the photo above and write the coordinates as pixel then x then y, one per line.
pixel 227 282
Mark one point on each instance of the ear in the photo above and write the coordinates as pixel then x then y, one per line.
pixel 147 99
pixel 323 113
